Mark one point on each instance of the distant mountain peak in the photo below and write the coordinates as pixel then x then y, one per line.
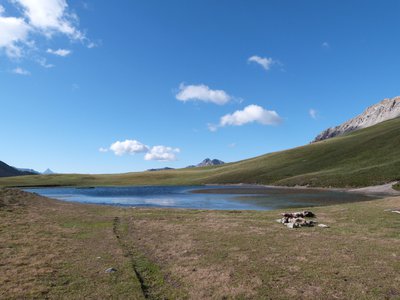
pixel 48 172
pixel 210 162
pixel 385 110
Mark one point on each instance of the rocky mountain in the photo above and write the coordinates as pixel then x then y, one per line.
pixel 385 110
pixel 210 162
pixel 6 171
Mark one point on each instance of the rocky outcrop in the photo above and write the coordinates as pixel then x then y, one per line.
pixel 377 113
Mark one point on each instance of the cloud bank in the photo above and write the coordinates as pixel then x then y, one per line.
pixel 202 93
pixel 250 114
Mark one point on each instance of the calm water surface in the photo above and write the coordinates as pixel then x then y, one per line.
pixel 201 197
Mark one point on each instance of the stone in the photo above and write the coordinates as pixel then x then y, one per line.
pixel 308 214
pixel 302 214
pixel 293 225
pixel 323 226
pixel 309 223
pixel 110 270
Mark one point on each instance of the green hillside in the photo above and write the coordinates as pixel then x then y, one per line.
pixel 365 157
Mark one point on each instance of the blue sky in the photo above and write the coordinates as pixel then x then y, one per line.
pixel 169 83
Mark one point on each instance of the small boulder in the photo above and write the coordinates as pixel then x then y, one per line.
pixel 323 226
pixel 293 225
pixel 110 270
pixel 308 214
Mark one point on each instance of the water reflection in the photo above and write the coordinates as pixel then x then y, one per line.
pixel 200 197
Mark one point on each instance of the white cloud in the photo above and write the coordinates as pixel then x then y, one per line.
pixel 59 52
pixel 265 62
pixel 313 113
pixel 35 18
pixel 21 71
pixel 159 153
pixel 162 153
pixel 250 114
pixel 13 35
pixel 128 147
pixel 325 45
pixel 203 93
pixel 50 17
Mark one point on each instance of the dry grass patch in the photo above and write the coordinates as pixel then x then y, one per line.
pixel 248 255
pixel 53 249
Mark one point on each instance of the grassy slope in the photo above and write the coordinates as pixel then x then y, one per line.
pixel 57 250
pixel 365 157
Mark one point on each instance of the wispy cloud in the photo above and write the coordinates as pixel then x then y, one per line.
pixel 59 52
pixel 75 87
pixel 202 93
pixel 20 71
pixel 265 62
pixel 250 114
pixel 313 113
pixel 43 62
pixel 325 45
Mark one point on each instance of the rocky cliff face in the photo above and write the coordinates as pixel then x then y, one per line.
pixel 382 111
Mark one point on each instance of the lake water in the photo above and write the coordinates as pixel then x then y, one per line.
pixel 201 197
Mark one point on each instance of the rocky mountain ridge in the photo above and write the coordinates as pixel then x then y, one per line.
pixel 387 109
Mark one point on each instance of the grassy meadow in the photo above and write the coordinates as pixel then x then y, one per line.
pixel 365 157
pixel 53 249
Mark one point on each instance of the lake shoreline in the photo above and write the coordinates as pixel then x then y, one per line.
pixel 383 189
